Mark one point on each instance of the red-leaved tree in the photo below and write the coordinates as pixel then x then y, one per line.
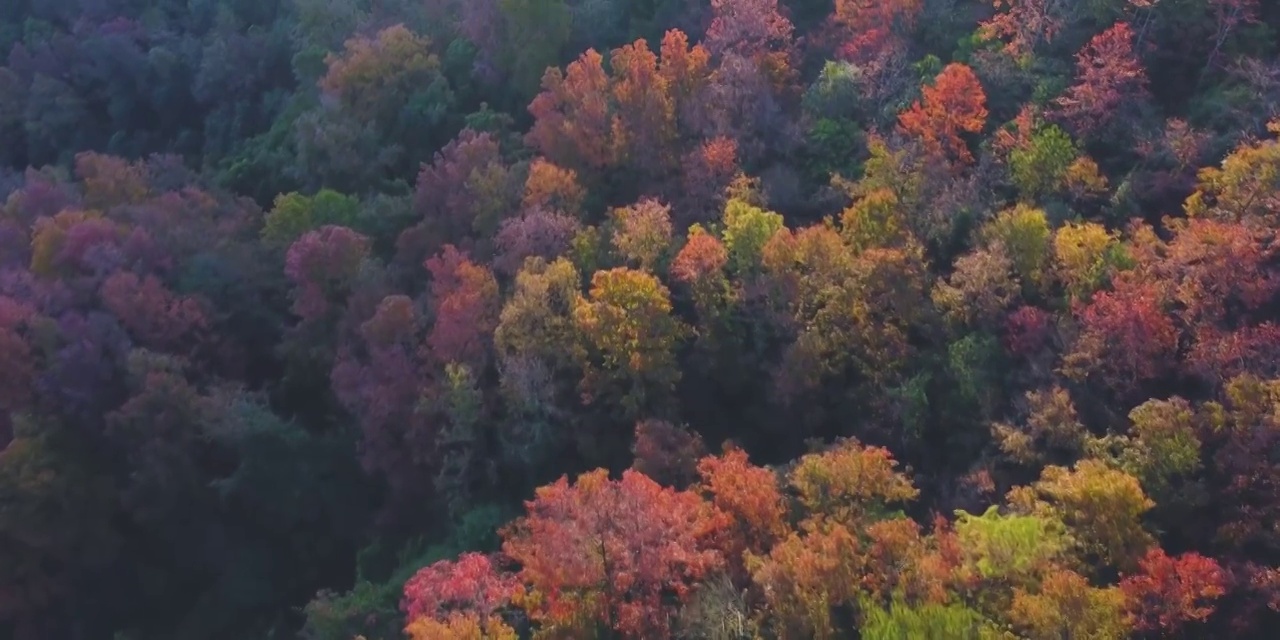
pixel 1170 593
pixel 1110 82
pixel 619 553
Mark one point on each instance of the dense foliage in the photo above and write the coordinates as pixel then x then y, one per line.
pixel 714 319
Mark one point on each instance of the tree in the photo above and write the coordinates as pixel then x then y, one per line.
pixel 685 68
pixel 850 484
pixel 707 173
pixel 874 27
pixel 1162 448
pixel 469 585
pixel 552 188
pixel 381 383
pixel 748 27
pixel 533 33
pixel 56 525
pixel 1238 434
pixel 110 181
pixel 1052 429
pixel 666 453
pixel 642 233
pixel 535 232
pixel 460 196
pixel 294 214
pixel 322 264
pixel 807 579
pixel 644 120
pixel 1170 593
pixel 980 290
pixel 955 104
pixel 1245 187
pixel 875 220
pixel 701 258
pixel 1220 272
pixel 1011 549
pixel 1126 338
pixel 612 554
pixel 18 377
pixel 746 230
pixel 628 338
pixel 1041 166
pixel 156 318
pixel 1066 606
pixel 572 126
pixel 1230 15
pixel 537 320
pixel 1087 256
pixel 1025 24
pixel 926 621
pixel 1101 507
pixel 394 82
pixel 466 303
pixel 749 495
pixel 371 71
pixel 1110 81
pixel 460 627
pixel 1023 232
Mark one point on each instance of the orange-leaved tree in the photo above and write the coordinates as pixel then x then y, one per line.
pixel 953 105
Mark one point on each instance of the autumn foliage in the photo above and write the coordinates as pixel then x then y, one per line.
pixel 652 320
pixel 955 104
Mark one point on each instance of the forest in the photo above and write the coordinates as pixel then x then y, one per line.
pixel 639 319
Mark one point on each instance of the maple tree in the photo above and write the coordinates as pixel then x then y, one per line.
pixel 875 220
pixel 469 585
pixel 1163 448
pixel 1043 163
pixel 1126 336
pixel 293 214
pixel 707 173
pixel 460 627
pixel 1051 429
pixel 1240 430
pixel 1169 593
pixel 537 319
pixel 459 195
pixel 611 552
pixel 750 497
pixel 749 27
pixel 1024 234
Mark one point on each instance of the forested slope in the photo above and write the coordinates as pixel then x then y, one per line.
pixel 716 319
